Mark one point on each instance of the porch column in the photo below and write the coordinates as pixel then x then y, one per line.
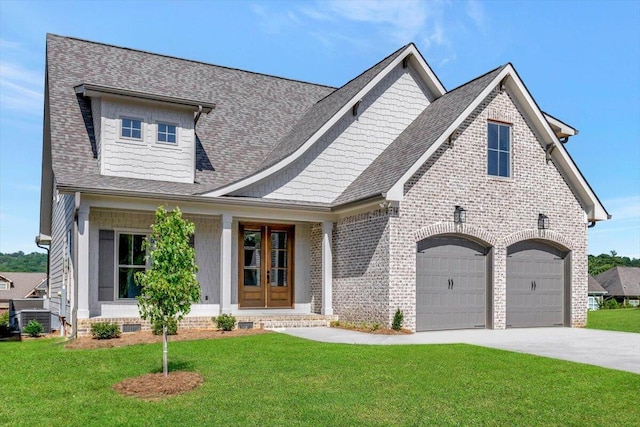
pixel 327 268
pixel 225 264
pixel 82 264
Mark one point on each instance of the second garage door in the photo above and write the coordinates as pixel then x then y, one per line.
pixel 450 284
pixel 535 285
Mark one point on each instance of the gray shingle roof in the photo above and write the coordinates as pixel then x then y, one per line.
pixel 22 284
pixel 621 281
pixel 254 111
pixel 415 140
pixel 595 287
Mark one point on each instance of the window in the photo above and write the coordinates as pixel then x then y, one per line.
pixel 131 259
pixel 4 286
pixel 166 133
pixel 498 149
pixel 131 128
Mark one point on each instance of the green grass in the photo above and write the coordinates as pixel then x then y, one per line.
pixel 623 319
pixel 276 379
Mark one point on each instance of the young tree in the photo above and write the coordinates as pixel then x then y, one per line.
pixel 169 287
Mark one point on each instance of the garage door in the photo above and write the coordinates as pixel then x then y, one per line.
pixel 450 284
pixel 535 285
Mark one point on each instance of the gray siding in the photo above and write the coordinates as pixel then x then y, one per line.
pixel 62 220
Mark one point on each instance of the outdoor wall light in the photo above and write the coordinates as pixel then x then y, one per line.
pixel 543 222
pixel 459 215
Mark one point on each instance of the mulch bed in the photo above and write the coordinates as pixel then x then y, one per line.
pixel 146 337
pixel 368 330
pixel 157 386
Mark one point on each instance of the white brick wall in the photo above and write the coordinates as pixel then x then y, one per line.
pixel 145 159
pixel 351 145
pixel 375 253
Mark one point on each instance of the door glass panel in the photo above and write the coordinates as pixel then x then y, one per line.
pixel 278 240
pixel 252 241
pixel 278 277
pixel 278 258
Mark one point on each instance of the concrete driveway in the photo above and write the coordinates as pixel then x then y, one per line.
pixel 614 350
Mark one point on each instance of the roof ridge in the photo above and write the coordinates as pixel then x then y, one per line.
pixel 395 52
pixel 477 78
pixel 188 60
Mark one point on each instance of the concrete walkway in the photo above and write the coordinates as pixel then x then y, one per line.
pixel 614 350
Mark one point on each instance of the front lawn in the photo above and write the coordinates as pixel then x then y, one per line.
pixel 623 319
pixel 275 379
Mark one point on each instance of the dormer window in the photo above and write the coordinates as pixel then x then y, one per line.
pixel 166 133
pixel 131 128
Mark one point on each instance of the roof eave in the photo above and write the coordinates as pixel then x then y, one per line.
pixel 94 90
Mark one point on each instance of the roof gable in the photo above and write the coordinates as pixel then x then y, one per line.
pixel 508 77
pixel 323 115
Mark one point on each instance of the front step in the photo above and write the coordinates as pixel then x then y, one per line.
pixel 285 321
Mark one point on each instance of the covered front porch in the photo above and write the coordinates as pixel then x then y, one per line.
pixel 269 267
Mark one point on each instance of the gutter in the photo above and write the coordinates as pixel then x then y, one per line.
pixel 239 201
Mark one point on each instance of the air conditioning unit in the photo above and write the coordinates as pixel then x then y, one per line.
pixel 41 316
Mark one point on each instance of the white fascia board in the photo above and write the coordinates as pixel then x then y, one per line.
pixel 396 193
pixel 427 74
pixel 562 127
pixel 594 209
pixel 410 50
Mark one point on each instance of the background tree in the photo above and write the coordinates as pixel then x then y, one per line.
pixel 19 261
pixel 169 287
pixel 604 262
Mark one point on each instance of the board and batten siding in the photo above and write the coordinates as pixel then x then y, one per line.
pixel 104 225
pixel 351 145
pixel 62 222
pixel 146 159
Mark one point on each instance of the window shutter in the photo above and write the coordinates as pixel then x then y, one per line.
pixel 106 265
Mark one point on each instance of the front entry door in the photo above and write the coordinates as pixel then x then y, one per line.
pixel 265 281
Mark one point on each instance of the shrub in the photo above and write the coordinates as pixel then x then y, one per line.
pixel 105 330
pixel 375 326
pixel 398 319
pixel 4 324
pixel 610 304
pixel 172 327
pixel 34 329
pixel 226 322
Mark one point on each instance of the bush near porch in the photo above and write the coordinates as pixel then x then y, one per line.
pixel 624 320
pixel 274 379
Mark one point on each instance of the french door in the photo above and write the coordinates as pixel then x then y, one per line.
pixel 265 266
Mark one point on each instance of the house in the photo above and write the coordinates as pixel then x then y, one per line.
pixel 596 293
pixel 622 283
pixel 20 286
pixel 462 208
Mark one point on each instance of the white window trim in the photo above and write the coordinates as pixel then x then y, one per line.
pixel 129 139
pixel 163 143
pixel 4 286
pixel 116 263
pixel 486 151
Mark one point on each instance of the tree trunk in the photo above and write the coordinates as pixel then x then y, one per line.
pixel 165 367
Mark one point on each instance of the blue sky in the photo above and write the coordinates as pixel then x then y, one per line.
pixel 580 60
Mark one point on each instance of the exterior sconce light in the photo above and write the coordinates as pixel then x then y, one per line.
pixel 459 215
pixel 543 222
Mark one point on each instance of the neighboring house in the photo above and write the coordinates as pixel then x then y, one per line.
pixel 621 283
pixel 462 208
pixel 19 286
pixel 596 293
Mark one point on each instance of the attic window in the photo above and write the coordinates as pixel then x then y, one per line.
pixel 131 128
pixel 4 286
